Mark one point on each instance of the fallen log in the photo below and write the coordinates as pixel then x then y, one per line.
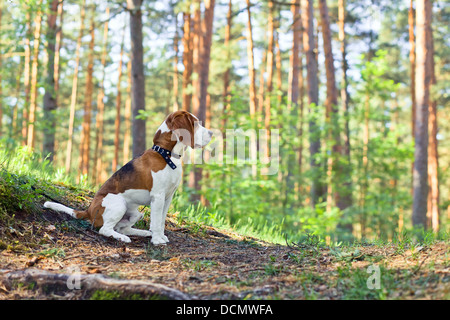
pixel 53 281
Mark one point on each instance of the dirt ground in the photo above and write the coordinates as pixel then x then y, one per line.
pixel 206 263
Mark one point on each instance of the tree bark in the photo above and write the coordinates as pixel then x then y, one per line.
pixel 251 63
pixel 187 61
pixel 226 76
pixel 50 92
pixel 433 157
pixel 197 42
pixel 423 76
pixel 207 30
pixel 138 79
pixel 412 63
pixel 294 59
pixel 73 97
pixel 26 75
pixel 127 117
pixel 345 199
pixel 99 124
pixel 175 66
pixel 115 162
pixel 86 132
pixel 313 96
pixel 269 69
pixel 34 78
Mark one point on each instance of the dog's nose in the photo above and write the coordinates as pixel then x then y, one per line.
pixel 210 133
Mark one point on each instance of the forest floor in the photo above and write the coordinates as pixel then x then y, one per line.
pixel 205 263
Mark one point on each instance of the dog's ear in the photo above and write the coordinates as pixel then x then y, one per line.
pixel 182 125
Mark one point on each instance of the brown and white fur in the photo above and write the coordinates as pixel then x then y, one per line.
pixel 145 180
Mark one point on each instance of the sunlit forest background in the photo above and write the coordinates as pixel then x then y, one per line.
pixel 357 89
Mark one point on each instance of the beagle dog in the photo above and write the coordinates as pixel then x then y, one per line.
pixel 150 179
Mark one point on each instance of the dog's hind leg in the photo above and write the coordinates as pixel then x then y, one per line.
pixel 129 219
pixel 115 208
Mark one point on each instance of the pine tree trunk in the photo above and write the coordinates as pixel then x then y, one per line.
pixel 86 132
pixel 50 93
pixel 26 74
pixel 99 124
pixel 58 44
pixel 412 62
pixel 313 96
pixel 269 70
pixel 293 89
pixel 423 75
pixel 187 61
pixel 175 66
pixel 115 162
pixel 278 62
pixel 226 76
pixel 197 46
pixel 73 97
pixel 294 59
pixel 251 64
pixel 331 112
pixel 34 78
pixel 127 118
pixel 207 30
pixel 197 42
pixel 345 200
pixel 138 79
pixel 433 157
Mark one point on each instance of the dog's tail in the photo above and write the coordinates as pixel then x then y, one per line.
pixel 62 208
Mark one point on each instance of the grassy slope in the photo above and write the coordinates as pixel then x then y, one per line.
pixel 201 260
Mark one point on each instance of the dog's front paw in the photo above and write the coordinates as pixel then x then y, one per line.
pixel 159 239
pixel 123 238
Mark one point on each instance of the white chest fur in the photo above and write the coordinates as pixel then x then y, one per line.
pixel 165 182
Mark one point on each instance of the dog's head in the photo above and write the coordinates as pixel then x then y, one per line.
pixel 184 127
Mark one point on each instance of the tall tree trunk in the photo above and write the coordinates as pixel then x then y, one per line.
pixel 58 45
pixel 261 88
pixel 278 63
pixel 50 92
pixel 433 157
pixel 269 69
pixel 313 96
pixel 197 46
pixel 207 30
pixel 34 78
pixel 423 76
pixel 345 200
pixel 99 124
pixel 115 162
pixel 251 63
pixel 138 79
pixel 73 97
pixel 294 59
pixel 331 112
pixel 175 65
pixel 187 61
pixel 226 76
pixel 26 74
pixel 86 132
pixel 197 42
pixel 293 89
pixel 252 86
pixel 412 62
pixel 127 117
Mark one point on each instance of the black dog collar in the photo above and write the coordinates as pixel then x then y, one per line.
pixel 166 154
